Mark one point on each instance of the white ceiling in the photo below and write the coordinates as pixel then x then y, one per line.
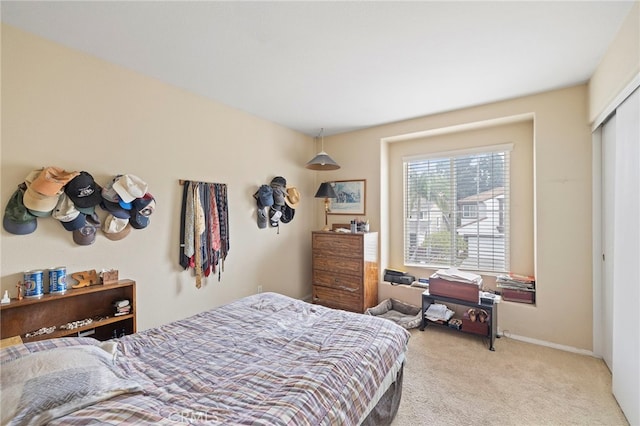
pixel 339 65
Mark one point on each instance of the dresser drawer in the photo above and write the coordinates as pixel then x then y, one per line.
pixel 337 264
pixel 338 281
pixel 339 245
pixel 337 299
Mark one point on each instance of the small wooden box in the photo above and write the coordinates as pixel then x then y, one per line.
pixel 110 277
pixel 454 289
pixel 521 296
pixel 475 327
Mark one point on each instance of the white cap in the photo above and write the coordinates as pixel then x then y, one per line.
pixel 130 187
pixel 65 210
pixel 115 228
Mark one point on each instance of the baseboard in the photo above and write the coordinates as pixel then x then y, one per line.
pixel 547 344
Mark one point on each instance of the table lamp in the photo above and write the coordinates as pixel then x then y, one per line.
pixel 326 191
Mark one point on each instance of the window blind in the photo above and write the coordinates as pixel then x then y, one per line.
pixel 456 209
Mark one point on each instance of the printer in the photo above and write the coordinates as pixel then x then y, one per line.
pixel 398 277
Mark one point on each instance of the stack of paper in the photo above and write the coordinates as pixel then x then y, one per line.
pixel 453 274
pixel 516 282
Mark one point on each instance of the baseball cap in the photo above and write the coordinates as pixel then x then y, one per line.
pixel 264 196
pixel 279 181
pixel 130 187
pixel 115 209
pixel 145 205
pixel 51 180
pixel 278 184
pixel 110 194
pixel 17 219
pixel 138 220
pixel 38 204
pixel 115 228
pixel 66 212
pixel 17 228
pixel 86 210
pixel 83 190
pixel 287 214
pixel 87 234
pixel 274 216
pixel 262 218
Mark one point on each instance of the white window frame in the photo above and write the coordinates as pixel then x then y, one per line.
pixel 497 263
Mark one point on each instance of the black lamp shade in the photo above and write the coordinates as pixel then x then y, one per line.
pixel 326 191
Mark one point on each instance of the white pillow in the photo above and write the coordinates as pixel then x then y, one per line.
pixel 45 385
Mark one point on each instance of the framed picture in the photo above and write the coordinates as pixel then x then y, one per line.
pixel 351 197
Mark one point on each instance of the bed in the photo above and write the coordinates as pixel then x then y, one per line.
pixel 266 359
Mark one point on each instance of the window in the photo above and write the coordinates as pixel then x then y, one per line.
pixel 456 208
pixel 469 211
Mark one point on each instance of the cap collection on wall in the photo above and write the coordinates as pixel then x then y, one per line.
pixel 276 203
pixel 71 197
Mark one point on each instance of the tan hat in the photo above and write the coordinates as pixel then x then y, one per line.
pixel 115 228
pixel 51 180
pixel 37 204
pixel 293 197
pixel 33 174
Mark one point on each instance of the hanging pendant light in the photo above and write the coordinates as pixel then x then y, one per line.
pixel 322 161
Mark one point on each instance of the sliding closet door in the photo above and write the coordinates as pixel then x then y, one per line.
pixel 608 159
pixel 626 265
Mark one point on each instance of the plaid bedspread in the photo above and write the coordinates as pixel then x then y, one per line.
pixel 266 359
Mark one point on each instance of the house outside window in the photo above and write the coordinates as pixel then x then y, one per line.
pixel 456 209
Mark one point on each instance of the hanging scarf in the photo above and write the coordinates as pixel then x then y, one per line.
pixel 204 233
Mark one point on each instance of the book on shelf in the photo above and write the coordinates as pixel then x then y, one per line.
pixel 121 303
pixel 122 307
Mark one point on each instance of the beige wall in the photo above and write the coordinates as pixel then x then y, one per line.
pixel 562 200
pixel 520 134
pixel 63 108
pixel 619 66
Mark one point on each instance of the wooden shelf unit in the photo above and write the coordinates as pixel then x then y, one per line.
pixel 96 302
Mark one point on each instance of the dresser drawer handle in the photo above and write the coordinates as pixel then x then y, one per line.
pixel 349 289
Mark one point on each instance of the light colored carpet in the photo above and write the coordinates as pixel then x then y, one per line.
pixel 451 378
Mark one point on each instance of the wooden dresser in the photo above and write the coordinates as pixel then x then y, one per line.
pixel 345 270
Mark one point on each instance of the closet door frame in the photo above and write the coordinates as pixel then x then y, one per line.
pixel 616 235
pixel 596 210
